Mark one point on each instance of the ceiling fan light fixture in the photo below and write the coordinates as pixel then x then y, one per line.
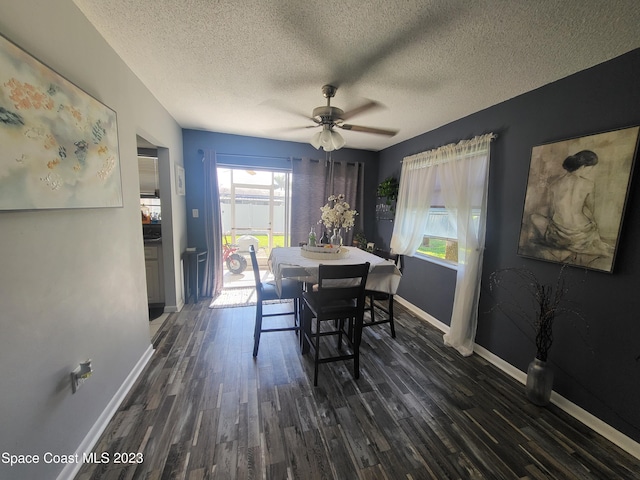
pixel 315 140
pixel 328 139
pixel 337 139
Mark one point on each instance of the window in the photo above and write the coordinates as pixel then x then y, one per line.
pixel 440 239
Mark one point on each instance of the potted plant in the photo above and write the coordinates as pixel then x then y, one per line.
pixel 360 241
pixel 547 303
pixel 388 189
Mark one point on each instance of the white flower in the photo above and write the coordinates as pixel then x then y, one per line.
pixel 337 213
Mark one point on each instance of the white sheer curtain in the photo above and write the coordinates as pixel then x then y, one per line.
pixel 417 184
pixel 462 170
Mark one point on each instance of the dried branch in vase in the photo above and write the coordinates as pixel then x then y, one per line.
pixel 548 302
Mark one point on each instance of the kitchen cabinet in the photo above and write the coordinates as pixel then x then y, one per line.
pixel 154 270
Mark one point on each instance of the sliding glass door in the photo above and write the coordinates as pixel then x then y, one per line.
pixel 255 206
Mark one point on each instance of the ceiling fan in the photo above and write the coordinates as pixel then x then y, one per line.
pixel 329 117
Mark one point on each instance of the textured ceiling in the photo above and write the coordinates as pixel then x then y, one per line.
pixel 256 67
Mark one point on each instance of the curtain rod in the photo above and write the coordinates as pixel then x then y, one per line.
pixel 493 137
pixel 317 160
pixel 202 152
pixel 252 156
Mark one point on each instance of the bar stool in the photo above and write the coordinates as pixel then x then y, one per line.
pixel 339 296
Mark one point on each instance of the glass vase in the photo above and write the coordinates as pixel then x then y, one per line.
pixel 539 382
pixel 336 238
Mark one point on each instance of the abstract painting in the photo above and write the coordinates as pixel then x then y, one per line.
pixel 575 200
pixel 59 145
pixel 180 187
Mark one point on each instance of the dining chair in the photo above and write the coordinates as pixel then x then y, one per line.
pixel 385 300
pixel 338 295
pixel 265 291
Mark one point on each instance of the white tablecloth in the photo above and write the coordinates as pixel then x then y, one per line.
pixel 288 262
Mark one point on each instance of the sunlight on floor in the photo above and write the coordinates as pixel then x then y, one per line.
pixel 154 325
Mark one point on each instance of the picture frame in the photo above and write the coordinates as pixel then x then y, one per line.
pixel 59 144
pixel 575 200
pixel 180 187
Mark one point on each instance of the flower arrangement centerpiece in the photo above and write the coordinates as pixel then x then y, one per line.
pixel 336 214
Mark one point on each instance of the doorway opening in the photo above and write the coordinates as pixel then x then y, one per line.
pixel 255 206
pixel 155 204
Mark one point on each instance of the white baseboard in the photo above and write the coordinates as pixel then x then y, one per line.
pixel 421 314
pixel 506 367
pixel 607 431
pixel 174 308
pixel 71 469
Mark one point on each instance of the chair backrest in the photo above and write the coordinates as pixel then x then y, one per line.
pixel 342 283
pixel 256 270
pixel 387 255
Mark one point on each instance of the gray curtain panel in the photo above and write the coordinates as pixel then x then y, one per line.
pixel 312 185
pixel 213 271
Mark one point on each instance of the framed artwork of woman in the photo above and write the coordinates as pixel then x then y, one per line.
pixel 575 200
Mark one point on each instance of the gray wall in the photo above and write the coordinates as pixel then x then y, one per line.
pixel 72 282
pixel 595 366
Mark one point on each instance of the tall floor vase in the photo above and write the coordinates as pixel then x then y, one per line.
pixel 539 382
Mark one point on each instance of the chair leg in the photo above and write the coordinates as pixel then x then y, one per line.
pixel 316 360
pixel 357 339
pixel 300 332
pixel 352 328
pixel 356 361
pixel 391 322
pixel 305 327
pixel 258 329
pixel 372 308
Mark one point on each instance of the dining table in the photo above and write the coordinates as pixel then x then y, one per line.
pixel 291 263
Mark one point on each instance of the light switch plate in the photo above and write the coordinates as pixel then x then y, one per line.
pixel 195 213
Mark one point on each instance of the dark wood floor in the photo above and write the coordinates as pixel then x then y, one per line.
pixel 205 409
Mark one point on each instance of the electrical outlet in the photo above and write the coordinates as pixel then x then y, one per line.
pixel 195 213
pixel 80 374
pixel 76 380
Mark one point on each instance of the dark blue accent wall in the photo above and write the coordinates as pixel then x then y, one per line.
pixel 595 364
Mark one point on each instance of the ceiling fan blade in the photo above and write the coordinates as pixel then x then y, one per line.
pixel 358 128
pixel 287 109
pixel 302 127
pixel 362 108
pixel 292 129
